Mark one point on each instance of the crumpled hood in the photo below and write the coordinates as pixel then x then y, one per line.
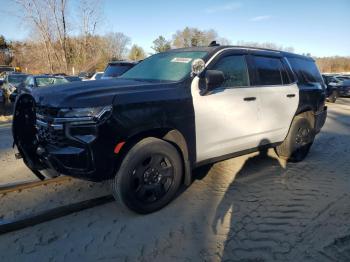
pixel 89 93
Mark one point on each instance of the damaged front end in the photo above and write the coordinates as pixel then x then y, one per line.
pixel 54 141
pixel 24 134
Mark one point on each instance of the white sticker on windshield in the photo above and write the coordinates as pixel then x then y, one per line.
pixel 181 60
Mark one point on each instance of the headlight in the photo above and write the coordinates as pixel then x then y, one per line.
pixel 88 112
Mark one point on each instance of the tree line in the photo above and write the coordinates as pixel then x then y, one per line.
pixel 64 39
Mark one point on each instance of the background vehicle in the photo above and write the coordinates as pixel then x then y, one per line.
pixel 177 110
pixel 117 68
pixel 72 78
pixel 37 81
pixel 332 92
pixel 339 83
pixel 12 82
pixel 97 76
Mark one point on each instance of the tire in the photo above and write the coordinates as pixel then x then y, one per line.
pixel 149 176
pixel 333 97
pixel 298 142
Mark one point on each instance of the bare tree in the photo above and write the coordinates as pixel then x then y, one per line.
pixel 117 45
pixel 136 53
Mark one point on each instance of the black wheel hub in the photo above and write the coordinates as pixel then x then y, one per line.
pixel 152 178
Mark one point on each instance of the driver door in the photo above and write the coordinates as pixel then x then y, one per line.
pixel 227 119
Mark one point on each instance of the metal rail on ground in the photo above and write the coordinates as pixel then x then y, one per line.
pixel 44 216
pixel 30 184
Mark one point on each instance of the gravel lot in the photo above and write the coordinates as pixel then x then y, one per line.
pixel 250 208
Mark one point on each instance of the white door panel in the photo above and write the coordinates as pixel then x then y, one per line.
pixel 277 110
pixel 225 123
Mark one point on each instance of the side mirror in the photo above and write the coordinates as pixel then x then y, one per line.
pixel 213 79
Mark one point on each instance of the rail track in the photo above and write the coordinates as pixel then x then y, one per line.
pixel 25 221
pixel 18 186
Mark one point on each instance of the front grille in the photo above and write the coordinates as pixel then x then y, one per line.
pixel 48 112
pixel 46 133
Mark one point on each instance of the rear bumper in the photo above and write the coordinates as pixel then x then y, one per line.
pixel 320 119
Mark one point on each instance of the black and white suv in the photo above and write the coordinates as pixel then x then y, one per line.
pixel 175 111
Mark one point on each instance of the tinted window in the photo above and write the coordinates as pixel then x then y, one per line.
pixel 269 70
pixel 306 70
pixel 115 70
pixel 234 69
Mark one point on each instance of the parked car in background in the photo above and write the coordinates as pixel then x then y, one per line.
pixel 331 87
pixel 37 81
pixel 12 82
pixel 72 78
pixel 117 68
pixel 85 75
pixel 177 110
pixel 341 83
pixel 97 76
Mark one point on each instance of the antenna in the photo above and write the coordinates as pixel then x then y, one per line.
pixel 213 43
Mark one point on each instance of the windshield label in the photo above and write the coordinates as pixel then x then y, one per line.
pixel 181 60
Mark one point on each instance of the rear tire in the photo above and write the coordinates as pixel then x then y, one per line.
pixel 149 176
pixel 298 142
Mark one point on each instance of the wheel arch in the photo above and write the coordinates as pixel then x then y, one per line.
pixel 172 136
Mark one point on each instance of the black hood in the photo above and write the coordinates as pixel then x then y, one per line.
pixel 92 93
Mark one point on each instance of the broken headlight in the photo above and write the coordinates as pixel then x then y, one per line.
pixel 86 112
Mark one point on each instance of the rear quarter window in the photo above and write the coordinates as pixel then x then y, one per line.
pixel 305 70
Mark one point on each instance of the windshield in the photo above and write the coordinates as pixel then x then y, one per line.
pixel 114 70
pixel 170 66
pixel 16 79
pixel 45 81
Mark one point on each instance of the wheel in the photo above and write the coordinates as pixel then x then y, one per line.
pixel 149 176
pixel 333 97
pixel 298 142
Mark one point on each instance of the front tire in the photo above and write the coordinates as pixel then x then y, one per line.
pixel 149 176
pixel 298 142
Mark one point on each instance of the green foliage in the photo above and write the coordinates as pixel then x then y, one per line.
pixel 161 44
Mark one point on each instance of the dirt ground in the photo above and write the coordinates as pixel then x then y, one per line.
pixel 250 208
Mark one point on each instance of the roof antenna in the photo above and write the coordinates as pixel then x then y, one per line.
pixel 213 43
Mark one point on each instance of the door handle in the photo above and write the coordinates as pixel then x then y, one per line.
pixel 291 95
pixel 251 98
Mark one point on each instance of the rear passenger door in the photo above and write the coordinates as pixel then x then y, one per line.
pixel 279 96
pixel 227 118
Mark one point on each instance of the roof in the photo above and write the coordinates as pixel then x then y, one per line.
pixel 213 49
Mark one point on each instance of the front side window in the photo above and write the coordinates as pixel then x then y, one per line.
pixel 268 69
pixel 167 66
pixel 235 71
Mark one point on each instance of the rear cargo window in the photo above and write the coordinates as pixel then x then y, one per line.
pixel 305 70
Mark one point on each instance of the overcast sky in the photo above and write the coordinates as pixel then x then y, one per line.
pixel 319 27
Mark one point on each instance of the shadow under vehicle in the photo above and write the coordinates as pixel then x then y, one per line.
pixel 146 130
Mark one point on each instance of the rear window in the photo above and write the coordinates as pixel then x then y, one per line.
pixel 305 70
pixel 269 70
pixel 115 70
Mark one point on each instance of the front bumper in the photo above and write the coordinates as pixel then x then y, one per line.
pixel 320 119
pixel 74 149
